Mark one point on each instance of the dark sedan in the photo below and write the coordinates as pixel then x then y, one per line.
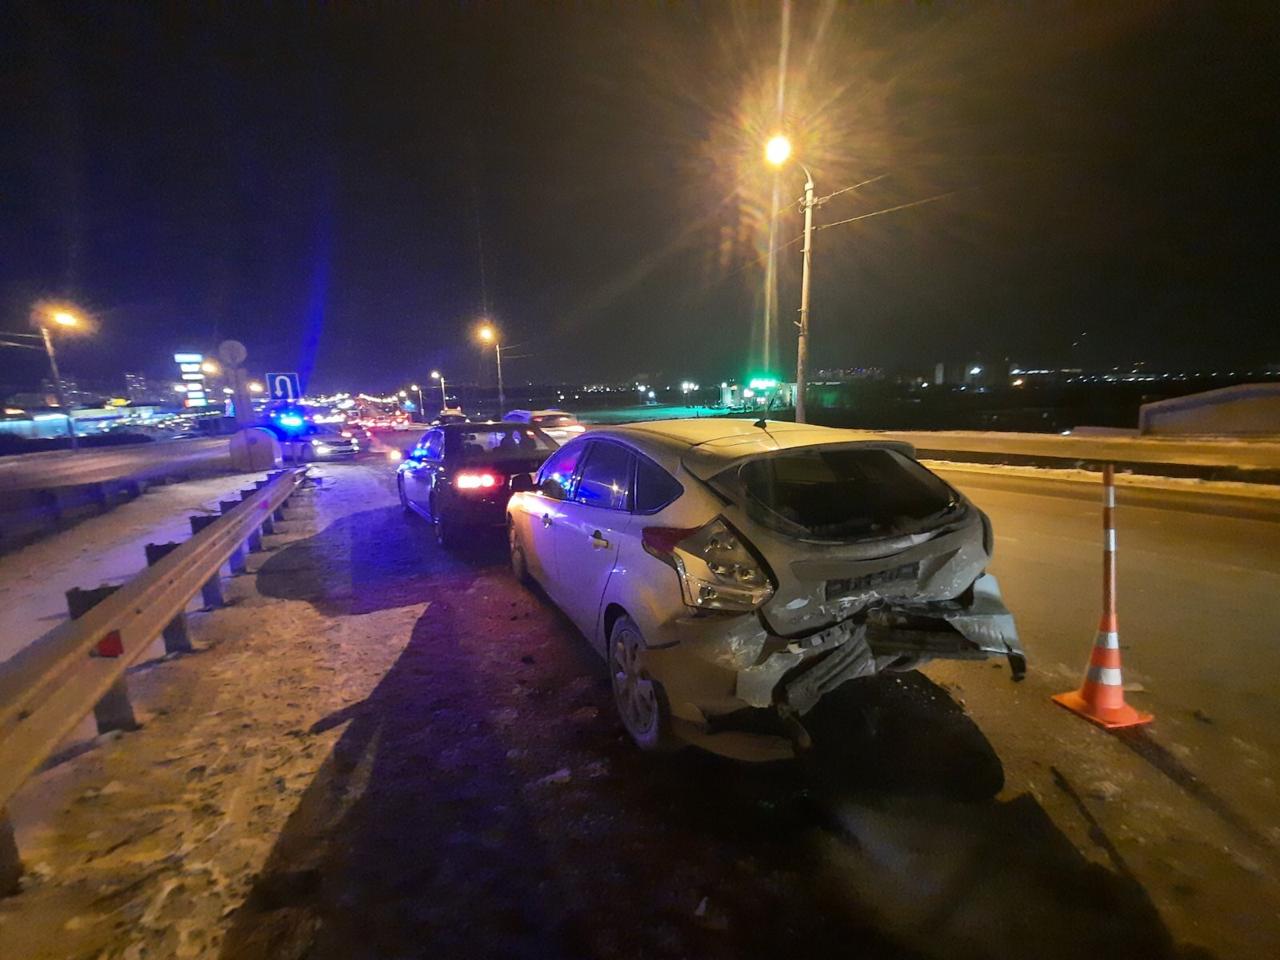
pixel 458 475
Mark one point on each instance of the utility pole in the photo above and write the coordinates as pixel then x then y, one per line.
pixel 802 347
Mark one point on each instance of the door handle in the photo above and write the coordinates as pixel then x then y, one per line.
pixel 598 540
pixel 546 519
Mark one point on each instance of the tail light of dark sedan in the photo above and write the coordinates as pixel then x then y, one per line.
pixel 718 569
pixel 477 481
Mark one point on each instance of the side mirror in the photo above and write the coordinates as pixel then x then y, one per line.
pixel 551 488
pixel 522 483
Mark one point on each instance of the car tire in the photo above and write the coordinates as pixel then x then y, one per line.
pixel 640 700
pixel 447 534
pixel 519 561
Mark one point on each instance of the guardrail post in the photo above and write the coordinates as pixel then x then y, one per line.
pixel 176 638
pixel 10 862
pixel 268 523
pixel 236 560
pixel 211 590
pixel 255 538
pixel 114 711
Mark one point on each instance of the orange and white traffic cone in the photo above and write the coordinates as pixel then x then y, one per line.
pixel 1100 698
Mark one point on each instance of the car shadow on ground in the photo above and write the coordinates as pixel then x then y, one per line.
pixel 895 816
pixel 373 560
pixel 483 801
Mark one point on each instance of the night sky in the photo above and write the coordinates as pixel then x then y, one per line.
pixel 346 190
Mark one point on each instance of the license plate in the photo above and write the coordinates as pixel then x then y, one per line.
pixel 903 575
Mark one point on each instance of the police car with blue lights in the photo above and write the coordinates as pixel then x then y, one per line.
pixel 317 441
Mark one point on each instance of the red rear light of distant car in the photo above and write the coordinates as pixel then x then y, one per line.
pixel 475 481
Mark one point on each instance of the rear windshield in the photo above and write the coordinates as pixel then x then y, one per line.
pixel 498 443
pixel 841 493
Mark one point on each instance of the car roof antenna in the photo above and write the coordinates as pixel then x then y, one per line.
pixel 763 424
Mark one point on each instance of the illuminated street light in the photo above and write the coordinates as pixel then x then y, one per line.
pixel 46 316
pixel 417 389
pixel 777 151
pixel 210 367
pixel 488 334
pixel 255 386
pixel 444 400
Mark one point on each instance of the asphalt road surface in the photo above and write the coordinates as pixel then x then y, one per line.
pixel 386 750
pixel 1198 599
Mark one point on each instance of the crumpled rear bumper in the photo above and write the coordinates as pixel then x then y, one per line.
pixel 715 667
pixel 886 637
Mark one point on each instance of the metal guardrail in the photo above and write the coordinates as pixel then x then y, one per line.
pixel 1212 459
pixel 47 688
pixel 42 492
pixel 62 468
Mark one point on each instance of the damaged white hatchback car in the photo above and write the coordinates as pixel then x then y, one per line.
pixel 732 573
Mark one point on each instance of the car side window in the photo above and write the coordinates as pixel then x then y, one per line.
pixel 555 479
pixel 655 488
pixel 433 447
pixel 606 477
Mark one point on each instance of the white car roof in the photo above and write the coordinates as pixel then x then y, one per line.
pixel 708 445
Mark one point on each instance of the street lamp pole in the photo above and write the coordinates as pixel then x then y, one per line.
pixel 502 397
pixel 802 346
pixel 488 333
pixel 444 398
pixel 777 152
pixel 57 385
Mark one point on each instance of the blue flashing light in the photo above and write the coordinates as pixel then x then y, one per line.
pixel 291 422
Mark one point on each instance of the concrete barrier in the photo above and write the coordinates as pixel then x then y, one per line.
pixel 1243 410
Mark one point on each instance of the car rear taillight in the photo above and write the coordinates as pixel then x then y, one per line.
pixel 717 568
pixel 475 481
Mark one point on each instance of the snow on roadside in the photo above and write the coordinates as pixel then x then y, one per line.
pixel 103 549
pixel 146 843
pixel 1223 488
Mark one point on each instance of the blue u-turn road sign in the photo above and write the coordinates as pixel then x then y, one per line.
pixel 283 386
